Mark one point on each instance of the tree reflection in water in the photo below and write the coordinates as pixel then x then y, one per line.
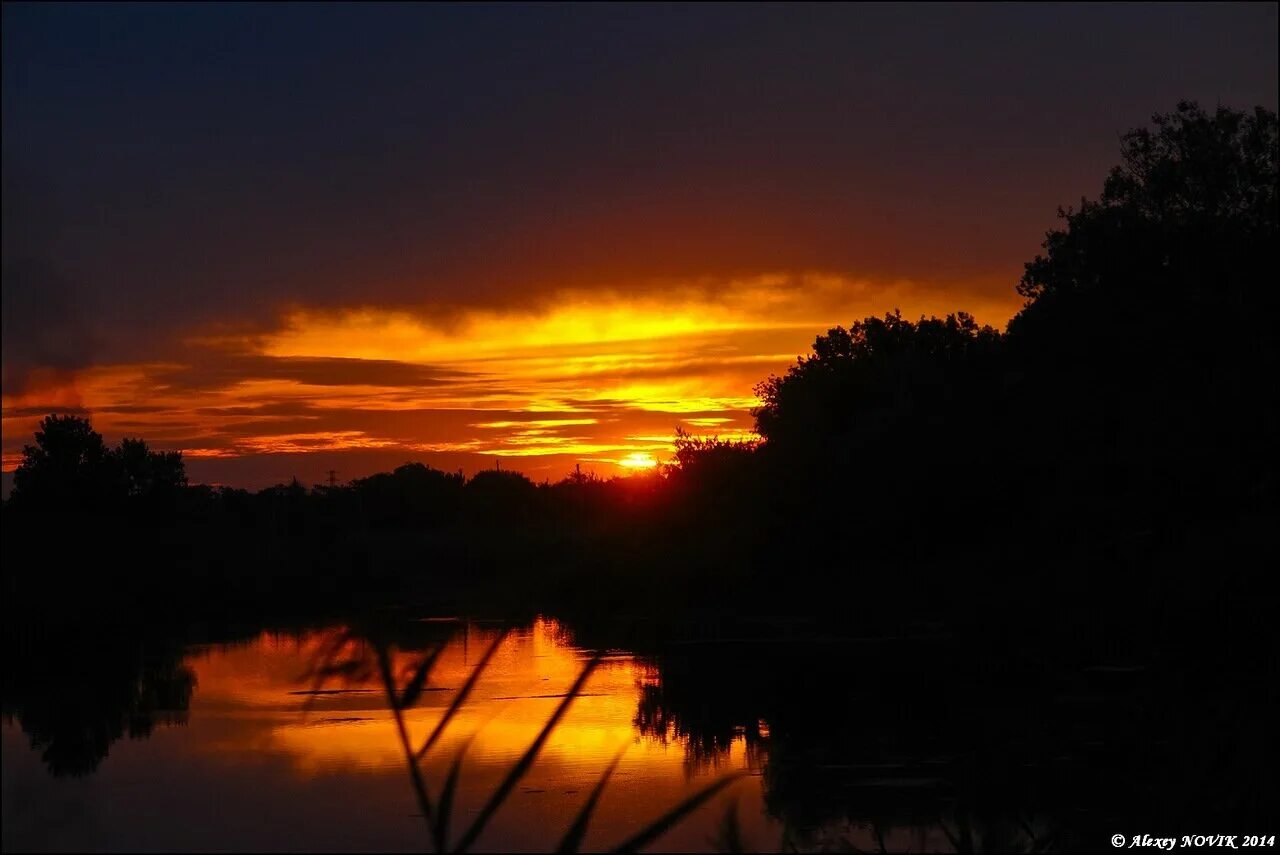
pixel 366 652
pixel 75 696
pixel 876 744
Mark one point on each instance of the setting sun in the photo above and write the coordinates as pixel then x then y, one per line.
pixel 638 460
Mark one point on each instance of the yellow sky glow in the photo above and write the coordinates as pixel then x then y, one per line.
pixel 602 378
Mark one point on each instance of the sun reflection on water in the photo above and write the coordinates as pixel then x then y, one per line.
pixel 346 729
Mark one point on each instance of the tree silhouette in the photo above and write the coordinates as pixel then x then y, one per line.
pixel 149 473
pixel 1153 310
pixel 414 494
pixel 71 468
pixel 68 467
pixel 1192 206
pixel 876 367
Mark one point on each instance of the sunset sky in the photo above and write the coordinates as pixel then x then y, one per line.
pixel 285 239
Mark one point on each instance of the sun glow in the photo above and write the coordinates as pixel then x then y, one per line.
pixel 596 377
pixel 638 460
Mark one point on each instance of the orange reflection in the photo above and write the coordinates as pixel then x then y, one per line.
pixel 514 697
pixel 348 730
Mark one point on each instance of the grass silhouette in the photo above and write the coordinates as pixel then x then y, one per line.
pixel 368 656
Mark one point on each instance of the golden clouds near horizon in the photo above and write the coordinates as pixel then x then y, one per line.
pixel 600 378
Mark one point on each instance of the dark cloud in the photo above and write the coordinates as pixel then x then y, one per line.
pixel 45 333
pixel 28 412
pixel 217 370
pixel 219 161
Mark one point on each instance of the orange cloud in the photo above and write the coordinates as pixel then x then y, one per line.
pixel 594 377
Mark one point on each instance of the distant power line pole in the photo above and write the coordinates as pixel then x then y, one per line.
pixel 333 478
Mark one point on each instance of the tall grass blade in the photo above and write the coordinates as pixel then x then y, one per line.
pixel 951 838
pixel 964 841
pixel 728 837
pixel 526 761
pixel 878 830
pixel 665 822
pixel 413 689
pixel 463 694
pixel 573 837
pixel 415 772
pixel 445 806
pixel 319 672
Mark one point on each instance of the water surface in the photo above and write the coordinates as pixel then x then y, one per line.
pixel 260 755
pixel 289 741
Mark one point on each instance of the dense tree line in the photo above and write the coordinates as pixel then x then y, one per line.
pixel 71 468
pixel 1129 404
